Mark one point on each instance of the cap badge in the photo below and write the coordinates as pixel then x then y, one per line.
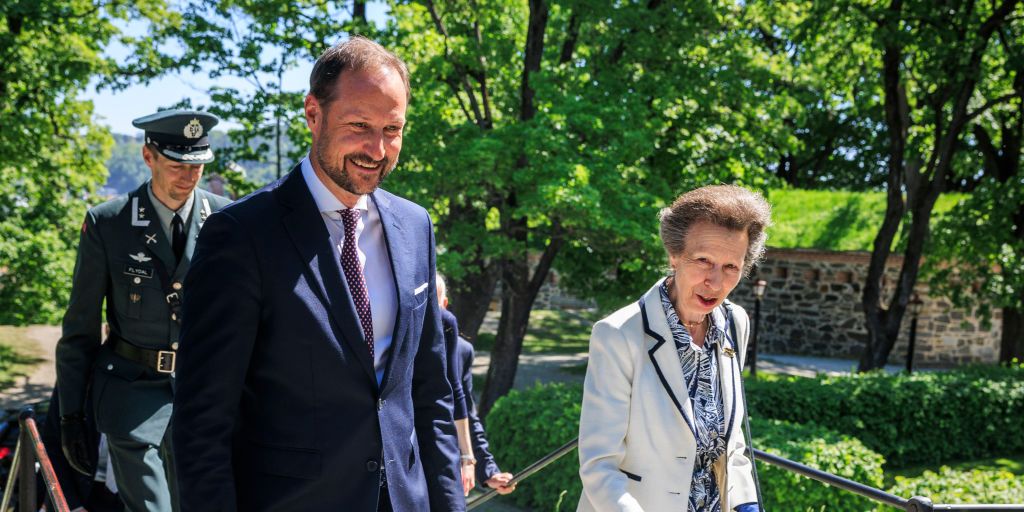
pixel 194 129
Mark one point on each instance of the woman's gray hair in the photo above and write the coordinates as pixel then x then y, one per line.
pixel 728 206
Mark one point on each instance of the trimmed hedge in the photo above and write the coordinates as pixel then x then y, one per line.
pixel 526 425
pixel 818 448
pixel 950 486
pixel 924 418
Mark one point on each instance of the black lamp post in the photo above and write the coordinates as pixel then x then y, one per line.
pixel 759 288
pixel 915 310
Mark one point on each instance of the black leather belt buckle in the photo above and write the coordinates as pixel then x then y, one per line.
pixel 165 360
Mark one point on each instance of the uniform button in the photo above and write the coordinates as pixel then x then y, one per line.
pixel 174 316
pixel 110 367
pixel 137 280
pixel 176 286
pixel 174 346
pixel 371 465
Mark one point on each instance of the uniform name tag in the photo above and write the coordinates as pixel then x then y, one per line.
pixel 132 270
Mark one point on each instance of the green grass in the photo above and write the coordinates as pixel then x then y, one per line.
pixel 19 355
pixel 832 220
pixel 550 332
pixel 1012 463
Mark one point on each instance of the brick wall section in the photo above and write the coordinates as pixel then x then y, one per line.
pixel 812 307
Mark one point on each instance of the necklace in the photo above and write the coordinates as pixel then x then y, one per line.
pixel 691 326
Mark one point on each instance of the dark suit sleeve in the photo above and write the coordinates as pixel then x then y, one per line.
pixel 451 341
pixel 432 401
pixel 485 465
pixel 80 332
pixel 221 317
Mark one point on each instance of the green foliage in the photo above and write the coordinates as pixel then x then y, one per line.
pixel 910 419
pixel 962 487
pixel 526 425
pixel 819 448
pixel 833 220
pixel 51 153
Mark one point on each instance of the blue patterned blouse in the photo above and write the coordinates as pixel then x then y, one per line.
pixel 700 371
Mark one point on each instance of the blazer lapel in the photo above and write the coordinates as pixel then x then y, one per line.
pixel 662 351
pixel 395 238
pixel 728 369
pixel 147 224
pixel 306 228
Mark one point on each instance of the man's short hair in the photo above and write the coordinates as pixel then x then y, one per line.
pixel 356 54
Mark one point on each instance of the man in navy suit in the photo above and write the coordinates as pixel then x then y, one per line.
pixel 311 372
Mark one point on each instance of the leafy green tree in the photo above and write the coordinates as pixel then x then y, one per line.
pixel 548 135
pixel 51 153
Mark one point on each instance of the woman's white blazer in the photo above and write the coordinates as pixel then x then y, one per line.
pixel 637 443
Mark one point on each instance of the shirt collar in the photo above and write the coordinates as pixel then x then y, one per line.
pixel 326 202
pixel 716 330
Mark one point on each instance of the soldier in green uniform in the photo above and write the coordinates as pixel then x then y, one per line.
pixel 133 254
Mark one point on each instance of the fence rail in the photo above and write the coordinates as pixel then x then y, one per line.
pixel 27 454
pixel 914 504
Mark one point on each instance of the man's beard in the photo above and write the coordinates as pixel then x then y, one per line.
pixel 341 176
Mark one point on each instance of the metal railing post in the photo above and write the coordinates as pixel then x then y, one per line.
pixel 27 472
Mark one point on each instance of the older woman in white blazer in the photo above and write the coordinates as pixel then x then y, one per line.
pixel 662 405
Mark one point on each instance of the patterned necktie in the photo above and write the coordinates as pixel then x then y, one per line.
pixel 354 275
pixel 177 237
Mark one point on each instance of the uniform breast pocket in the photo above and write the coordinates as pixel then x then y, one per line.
pixel 137 291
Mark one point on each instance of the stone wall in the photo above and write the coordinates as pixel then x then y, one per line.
pixel 812 307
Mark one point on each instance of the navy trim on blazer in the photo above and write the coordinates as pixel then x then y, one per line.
pixel 650 353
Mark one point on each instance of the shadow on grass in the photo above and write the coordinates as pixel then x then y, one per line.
pixel 551 331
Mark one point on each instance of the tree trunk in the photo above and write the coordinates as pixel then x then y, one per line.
pixel 470 298
pixel 518 289
pixel 1012 344
pixel 359 10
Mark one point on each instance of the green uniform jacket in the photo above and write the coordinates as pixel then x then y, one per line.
pixel 121 248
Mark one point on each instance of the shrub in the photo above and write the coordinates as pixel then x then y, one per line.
pixel 924 418
pixel 819 448
pixel 526 425
pixel 950 486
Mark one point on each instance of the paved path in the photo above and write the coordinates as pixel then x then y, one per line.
pixel 37 386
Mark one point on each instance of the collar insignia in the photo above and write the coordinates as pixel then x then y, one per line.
pixel 150 239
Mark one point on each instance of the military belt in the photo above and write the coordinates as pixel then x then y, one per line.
pixel 163 361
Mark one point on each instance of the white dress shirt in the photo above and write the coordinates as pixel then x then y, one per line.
pixel 373 257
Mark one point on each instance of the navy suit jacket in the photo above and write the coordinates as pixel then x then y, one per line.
pixel 277 405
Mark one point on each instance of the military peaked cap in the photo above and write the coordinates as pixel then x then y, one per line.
pixel 181 135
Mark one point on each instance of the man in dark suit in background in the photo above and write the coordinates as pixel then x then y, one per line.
pixel 460 362
pixel 312 364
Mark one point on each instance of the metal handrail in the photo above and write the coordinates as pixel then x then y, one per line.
pixel 914 504
pixel 30 450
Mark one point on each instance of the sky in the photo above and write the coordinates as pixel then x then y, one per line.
pixel 117 109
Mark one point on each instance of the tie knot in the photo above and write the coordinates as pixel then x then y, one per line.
pixel 350 217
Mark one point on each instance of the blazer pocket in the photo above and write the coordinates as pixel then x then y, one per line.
pixel 632 476
pixel 280 461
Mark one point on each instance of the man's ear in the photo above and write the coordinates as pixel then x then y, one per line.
pixel 314 114
pixel 148 155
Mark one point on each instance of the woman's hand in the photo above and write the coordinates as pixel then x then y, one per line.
pixel 468 475
pixel 500 482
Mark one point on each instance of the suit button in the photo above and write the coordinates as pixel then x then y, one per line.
pixel 371 465
pixel 380 403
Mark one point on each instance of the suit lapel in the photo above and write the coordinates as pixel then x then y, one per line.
pixel 662 351
pixel 395 238
pixel 147 225
pixel 308 233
